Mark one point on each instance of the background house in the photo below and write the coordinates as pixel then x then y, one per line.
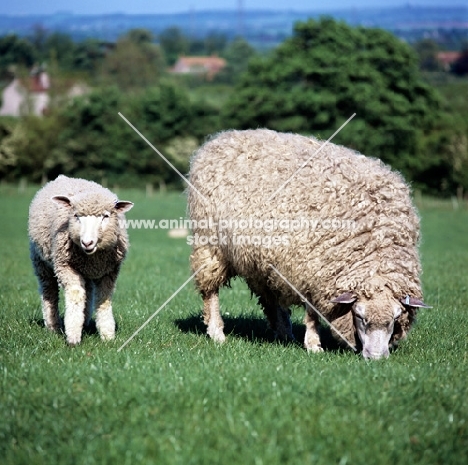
pixel 30 95
pixel 208 66
pixel 446 59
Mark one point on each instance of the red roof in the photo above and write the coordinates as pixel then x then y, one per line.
pixel 209 65
pixel 37 82
pixel 447 58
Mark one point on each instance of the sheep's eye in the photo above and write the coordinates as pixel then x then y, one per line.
pixel 77 217
pixel 360 318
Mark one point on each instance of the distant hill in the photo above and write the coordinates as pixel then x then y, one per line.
pixel 263 28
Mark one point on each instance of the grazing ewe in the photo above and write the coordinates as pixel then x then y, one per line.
pixel 76 241
pixel 329 227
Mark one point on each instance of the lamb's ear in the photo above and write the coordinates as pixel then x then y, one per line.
pixel 123 206
pixel 62 200
pixel 413 302
pixel 345 298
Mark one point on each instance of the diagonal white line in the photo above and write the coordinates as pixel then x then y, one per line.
pixel 312 156
pixel 160 308
pixel 162 156
pixel 313 308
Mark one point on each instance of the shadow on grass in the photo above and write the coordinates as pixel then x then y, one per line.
pixel 256 329
pixel 88 330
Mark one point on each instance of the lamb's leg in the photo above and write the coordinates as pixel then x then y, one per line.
pixel 312 338
pixel 105 322
pixel 212 317
pixel 75 303
pixel 49 290
pixel 90 301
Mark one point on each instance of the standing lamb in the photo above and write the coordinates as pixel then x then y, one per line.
pixel 330 229
pixel 77 241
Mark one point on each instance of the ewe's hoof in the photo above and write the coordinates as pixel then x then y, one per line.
pixel 284 337
pixel 107 337
pixel 217 335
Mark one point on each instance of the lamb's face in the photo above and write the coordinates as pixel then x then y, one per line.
pixel 374 321
pixel 87 231
pixel 95 231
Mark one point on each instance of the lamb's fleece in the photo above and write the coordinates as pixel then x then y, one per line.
pixel 77 242
pixel 362 252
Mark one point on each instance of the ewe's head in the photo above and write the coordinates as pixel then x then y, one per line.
pixel 376 319
pixel 93 219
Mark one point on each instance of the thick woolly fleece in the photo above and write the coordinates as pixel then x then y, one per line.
pixel 365 241
pixel 59 259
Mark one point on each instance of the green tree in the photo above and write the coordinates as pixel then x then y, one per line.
pixel 134 63
pixel 94 142
pixel 140 36
pixel 174 44
pixel 215 43
pixel 88 56
pixel 62 48
pixel 460 67
pixel 28 149
pixel 327 71
pixel 15 52
pixel 426 50
pixel 238 53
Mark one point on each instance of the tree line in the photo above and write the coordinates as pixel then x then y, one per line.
pixel 310 84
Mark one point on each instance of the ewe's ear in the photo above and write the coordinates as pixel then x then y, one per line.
pixel 123 206
pixel 413 302
pixel 62 200
pixel 345 298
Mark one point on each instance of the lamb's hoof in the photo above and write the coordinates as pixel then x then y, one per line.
pixel 107 337
pixel 314 348
pixel 73 341
pixel 55 327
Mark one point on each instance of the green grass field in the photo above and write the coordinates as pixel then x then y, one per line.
pixel 171 396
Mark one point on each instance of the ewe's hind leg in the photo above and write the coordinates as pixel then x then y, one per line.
pixel 312 338
pixel 212 274
pixel 105 322
pixel 278 317
pixel 49 290
pixel 212 317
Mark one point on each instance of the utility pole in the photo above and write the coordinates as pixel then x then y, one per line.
pixel 240 18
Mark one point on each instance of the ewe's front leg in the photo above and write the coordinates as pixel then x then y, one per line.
pixel 105 322
pixel 312 338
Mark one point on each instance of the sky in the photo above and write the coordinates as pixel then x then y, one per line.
pixel 178 6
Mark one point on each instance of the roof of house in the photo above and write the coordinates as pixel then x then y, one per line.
pixel 199 64
pixel 447 58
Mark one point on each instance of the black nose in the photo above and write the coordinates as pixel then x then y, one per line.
pixel 87 244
